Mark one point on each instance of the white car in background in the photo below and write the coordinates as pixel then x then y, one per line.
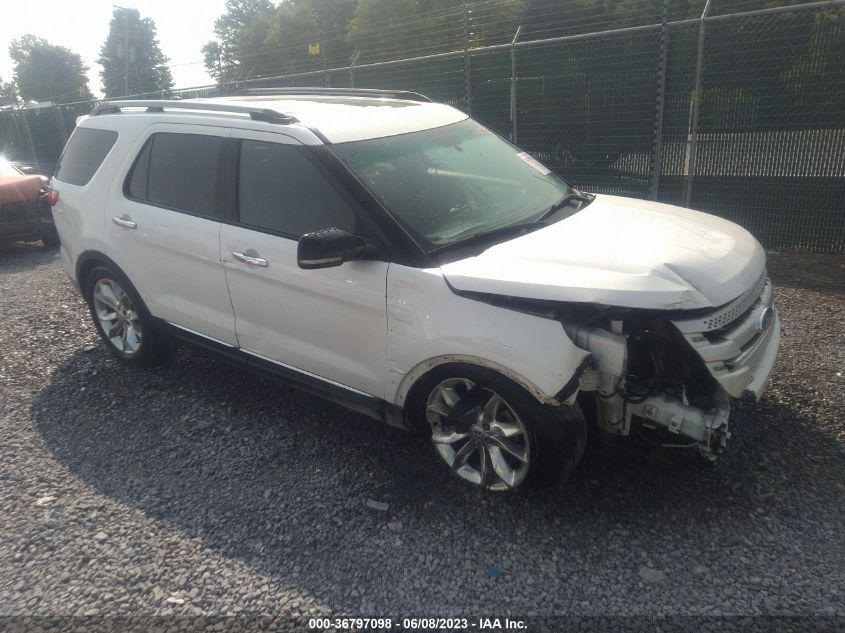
pixel 394 255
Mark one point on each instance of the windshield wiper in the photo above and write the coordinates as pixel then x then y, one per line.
pixel 510 229
pixel 521 227
pixel 587 198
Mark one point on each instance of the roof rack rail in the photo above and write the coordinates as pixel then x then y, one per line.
pixel 258 114
pixel 335 92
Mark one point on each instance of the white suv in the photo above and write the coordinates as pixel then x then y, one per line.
pixel 394 255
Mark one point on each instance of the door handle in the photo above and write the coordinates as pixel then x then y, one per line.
pixel 251 259
pixel 125 221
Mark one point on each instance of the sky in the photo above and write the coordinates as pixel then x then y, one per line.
pixel 82 26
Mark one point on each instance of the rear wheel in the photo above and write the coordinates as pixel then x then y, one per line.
pixel 122 320
pixel 493 434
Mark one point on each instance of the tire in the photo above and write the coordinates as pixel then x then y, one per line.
pixel 499 436
pixel 50 237
pixel 134 337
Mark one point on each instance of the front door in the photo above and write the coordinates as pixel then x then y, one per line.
pixel 330 323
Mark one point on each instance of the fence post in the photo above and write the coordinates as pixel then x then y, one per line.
pixel 467 61
pixel 657 166
pixel 696 107
pixel 30 145
pixel 352 69
pixel 514 134
pixel 60 124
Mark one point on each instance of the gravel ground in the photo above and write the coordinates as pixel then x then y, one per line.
pixel 199 488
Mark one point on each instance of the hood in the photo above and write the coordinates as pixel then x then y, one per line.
pixel 621 252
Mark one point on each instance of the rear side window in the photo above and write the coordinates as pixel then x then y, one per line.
pixel 179 171
pixel 280 190
pixel 137 185
pixel 86 149
pixel 182 172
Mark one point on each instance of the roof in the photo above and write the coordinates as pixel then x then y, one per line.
pixel 350 118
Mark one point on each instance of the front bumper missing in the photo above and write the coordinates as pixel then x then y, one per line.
pixel 707 429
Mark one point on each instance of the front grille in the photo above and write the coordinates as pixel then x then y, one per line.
pixel 736 308
pixel 727 314
pixel 733 340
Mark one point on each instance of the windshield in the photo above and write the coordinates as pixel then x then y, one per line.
pixel 452 182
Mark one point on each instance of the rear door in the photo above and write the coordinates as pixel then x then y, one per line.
pixel 163 227
pixel 330 323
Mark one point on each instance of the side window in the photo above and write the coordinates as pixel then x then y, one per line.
pixel 182 172
pixel 279 189
pixel 137 186
pixel 85 152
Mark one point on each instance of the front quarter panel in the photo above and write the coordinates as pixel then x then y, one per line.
pixel 429 325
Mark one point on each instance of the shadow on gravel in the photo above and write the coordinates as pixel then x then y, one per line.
pixel 279 480
pixel 20 256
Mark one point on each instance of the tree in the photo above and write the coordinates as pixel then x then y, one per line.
pixel 8 93
pixel 221 56
pixel 392 29
pixel 297 25
pixel 384 29
pixel 212 57
pixel 46 72
pixel 131 58
pixel 253 52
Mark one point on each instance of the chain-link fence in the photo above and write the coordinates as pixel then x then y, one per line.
pixel 738 114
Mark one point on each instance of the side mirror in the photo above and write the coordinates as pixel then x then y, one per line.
pixel 328 248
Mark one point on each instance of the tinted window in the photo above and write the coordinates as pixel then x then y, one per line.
pixel 140 171
pixel 86 149
pixel 183 172
pixel 281 190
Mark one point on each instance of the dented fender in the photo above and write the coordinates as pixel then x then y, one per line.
pixel 429 325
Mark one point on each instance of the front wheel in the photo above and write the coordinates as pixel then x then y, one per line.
pixel 493 434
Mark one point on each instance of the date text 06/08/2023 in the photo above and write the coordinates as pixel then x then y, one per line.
pixel 420 624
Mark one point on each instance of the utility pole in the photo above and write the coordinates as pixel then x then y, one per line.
pixel 125 50
pixel 125 54
pixel 467 61
pixel 220 70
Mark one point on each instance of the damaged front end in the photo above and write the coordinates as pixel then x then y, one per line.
pixel 649 384
pixel 668 379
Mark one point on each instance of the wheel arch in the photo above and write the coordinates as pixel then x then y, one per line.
pixel 87 261
pixel 413 378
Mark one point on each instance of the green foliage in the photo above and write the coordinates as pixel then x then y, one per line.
pixel 8 92
pixel 389 29
pixel 223 56
pixel 144 61
pixel 382 27
pixel 254 54
pixel 255 39
pixel 300 23
pixel 807 78
pixel 46 72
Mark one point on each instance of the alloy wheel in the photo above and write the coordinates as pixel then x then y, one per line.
pixel 478 434
pixel 117 316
